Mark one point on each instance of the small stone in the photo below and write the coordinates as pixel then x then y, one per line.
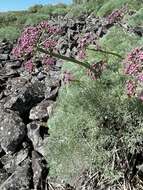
pixel 23 95
pixel 38 134
pixel 53 79
pixel 40 171
pixel 20 179
pixel 12 161
pixel 42 110
pixel 4 57
pixel 40 76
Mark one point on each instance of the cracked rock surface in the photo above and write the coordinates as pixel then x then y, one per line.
pixel 26 103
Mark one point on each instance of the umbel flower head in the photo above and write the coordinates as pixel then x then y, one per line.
pixel 67 77
pixel 26 42
pixel 130 88
pixel 83 42
pixel 41 41
pixel 133 68
pixel 31 38
pixel 98 70
pixel 29 65
pixel 116 15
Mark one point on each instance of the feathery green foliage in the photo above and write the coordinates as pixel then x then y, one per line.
pixel 137 19
pixel 95 118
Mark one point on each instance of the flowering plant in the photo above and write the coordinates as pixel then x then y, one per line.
pixel 133 68
pixel 116 16
pixel 41 38
pixel 42 41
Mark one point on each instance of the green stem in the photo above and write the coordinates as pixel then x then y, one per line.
pixel 63 57
pixel 106 52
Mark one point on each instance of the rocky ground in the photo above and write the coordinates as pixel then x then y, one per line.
pixel 26 103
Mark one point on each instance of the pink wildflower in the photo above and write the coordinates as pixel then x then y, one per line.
pixel 86 40
pixel 67 77
pixel 81 54
pixel 98 69
pixel 44 25
pixel 83 42
pixel 115 16
pixel 140 78
pixel 26 42
pixel 141 55
pixel 130 86
pixel 134 68
pixel 29 65
pixel 48 60
pixel 49 44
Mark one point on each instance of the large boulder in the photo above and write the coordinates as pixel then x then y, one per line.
pixel 42 110
pixel 38 134
pixel 22 95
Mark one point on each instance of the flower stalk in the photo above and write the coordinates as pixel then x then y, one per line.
pixel 65 58
pixel 106 52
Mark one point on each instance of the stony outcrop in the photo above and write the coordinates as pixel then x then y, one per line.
pixel 26 103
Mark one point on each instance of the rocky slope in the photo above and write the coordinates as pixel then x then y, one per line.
pixel 26 103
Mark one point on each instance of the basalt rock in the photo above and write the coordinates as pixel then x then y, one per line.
pixel 20 179
pixel 38 134
pixel 12 130
pixel 27 100
pixel 11 162
pixel 23 95
pixel 40 171
pixel 3 175
pixel 42 110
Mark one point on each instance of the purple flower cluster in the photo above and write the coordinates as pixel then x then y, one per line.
pixel 26 42
pixel 49 44
pixel 44 25
pixel 67 77
pixel 115 16
pixel 83 42
pixel 130 88
pixel 133 67
pixel 31 37
pixel 29 65
pixel 98 70
pixel 48 60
